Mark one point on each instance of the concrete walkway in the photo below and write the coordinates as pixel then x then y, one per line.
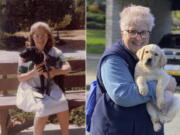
pixel 173 128
pixel 91 64
pixel 53 129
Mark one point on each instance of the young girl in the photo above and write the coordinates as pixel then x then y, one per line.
pixel 28 75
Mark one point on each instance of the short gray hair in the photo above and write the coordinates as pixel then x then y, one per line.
pixel 133 15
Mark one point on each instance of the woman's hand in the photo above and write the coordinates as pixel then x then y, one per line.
pixel 66 68
pixel 52 73
pixel 38 69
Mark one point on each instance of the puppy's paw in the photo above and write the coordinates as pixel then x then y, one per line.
pixel 165 119
pixel 161 104
pixel 156 126
pixel 143 91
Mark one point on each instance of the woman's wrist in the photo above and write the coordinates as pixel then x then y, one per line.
pixel 55 72
pixel 33 73
pixel 26 76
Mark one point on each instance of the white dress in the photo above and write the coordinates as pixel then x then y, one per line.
pixel 50 104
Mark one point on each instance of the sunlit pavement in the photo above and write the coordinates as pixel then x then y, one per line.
pixel 91 64
pixel 53 129
pixel 173 128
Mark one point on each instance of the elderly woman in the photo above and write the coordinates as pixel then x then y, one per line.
pixel 120 109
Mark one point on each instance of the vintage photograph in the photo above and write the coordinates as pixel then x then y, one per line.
pixel 133 67
pixel 42 67
pixel 89 67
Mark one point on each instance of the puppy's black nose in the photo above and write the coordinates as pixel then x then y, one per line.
pixel 149 61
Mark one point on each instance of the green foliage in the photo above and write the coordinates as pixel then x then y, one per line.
pixel 90 2
pixel 176 20
pixel 94 25
pixel 94 8
pixel 11 41
pixel 20 116
pixel 20 15
pixel 77 116
pixel 95 41
pixel 176 14
pixel 97 5
pixel 64 23
pixel 97 17
pixel 78 17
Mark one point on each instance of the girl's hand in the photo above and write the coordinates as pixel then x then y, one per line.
pixel 38 69
pixel 52 73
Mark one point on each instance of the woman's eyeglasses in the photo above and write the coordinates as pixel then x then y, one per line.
pixel 36 36
pixel 134 33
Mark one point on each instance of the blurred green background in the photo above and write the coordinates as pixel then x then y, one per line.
pixel 96 25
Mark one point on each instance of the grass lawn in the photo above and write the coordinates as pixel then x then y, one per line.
pixel 177 31
pixel 95 41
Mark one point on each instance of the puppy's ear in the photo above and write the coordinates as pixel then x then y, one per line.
pixel 163 60
pixel 140 53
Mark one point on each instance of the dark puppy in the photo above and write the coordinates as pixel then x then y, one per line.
pixel 31 53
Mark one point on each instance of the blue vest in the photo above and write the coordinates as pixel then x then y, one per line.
pixel 112 119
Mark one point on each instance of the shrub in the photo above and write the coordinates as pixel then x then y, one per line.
pixel 18 117
pixel 94 25
pixel 10 42
pixel 77 116
pixel 96 17
pixel 93 7
pixel 62 24
pixel 65 22
pixel 78 20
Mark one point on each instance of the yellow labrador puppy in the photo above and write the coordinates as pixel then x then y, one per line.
pixel 150 67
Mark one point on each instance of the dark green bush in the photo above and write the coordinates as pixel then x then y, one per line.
pixel 95 10
pixel 20 116
pixel 10 42
pixel 96 17
pixel 94 25
pixel 77 116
